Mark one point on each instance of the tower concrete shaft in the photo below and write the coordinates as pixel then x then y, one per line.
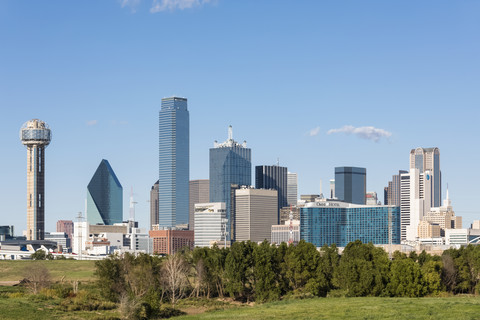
pixel 35 192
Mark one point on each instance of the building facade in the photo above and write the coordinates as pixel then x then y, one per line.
pixel 286 233
pixel 65 226
pixel 392 192
pixel 104 196
pixel 428 159
pixel 255 214
pixel 230 164
pixel 351 184
pixel 171 241
pixel 199 193
pixel 154 205
pixel 334 222
pixel 292 188
pixel 36 136
pixel 174 146
pixel 275 178
pixel 210 221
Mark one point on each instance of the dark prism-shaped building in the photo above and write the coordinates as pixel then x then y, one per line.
pixel 273 177
pixel 104 196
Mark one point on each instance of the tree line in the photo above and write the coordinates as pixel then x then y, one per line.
pixel 264 272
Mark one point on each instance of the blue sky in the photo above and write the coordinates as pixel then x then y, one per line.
pixel 283 73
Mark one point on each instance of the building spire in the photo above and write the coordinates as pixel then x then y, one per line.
pixel 230 132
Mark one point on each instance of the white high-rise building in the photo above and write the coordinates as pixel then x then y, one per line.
pixel 415 201
pixel 292 188
pixel 209 221
pixel 428 159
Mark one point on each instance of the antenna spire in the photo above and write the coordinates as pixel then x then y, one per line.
pixel 230 132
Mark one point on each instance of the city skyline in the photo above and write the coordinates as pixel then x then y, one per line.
pixel 343 94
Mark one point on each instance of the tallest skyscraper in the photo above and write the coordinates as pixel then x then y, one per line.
pixel 174 144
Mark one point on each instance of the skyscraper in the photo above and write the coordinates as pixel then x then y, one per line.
pixel 292 188
pixel 36 136
pixel 273 177
pixel 392 192
pixel 174 144
pixel 428 159
pixel 199 193
pixel 230 163
pixel 351 184
pixel 154 205
pixel 104 196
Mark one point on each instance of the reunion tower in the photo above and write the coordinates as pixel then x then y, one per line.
pixel 35 135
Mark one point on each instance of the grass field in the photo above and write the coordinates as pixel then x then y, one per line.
pixel 70 269
pixel 458 308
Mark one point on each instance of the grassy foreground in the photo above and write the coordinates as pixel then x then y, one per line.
pixel 355 308
pixel 70 269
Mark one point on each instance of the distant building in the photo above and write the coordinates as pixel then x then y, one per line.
pixel 351 184
pixel 309 197
pixel 275 178
pixel 371 198
pixel 285 214
pixel 281 233
pixel 199 193
pixel 428 159
pixel 6 232
pixel 335 222
pixel 65 226
pixel 292 188
pixel 209 219
pixel 61 238
pixel 174 146
pixel 332 189
pixel 104 196
pixel 154 205
pixel 171 241
pixel 427 229
pixel 475 225
pixel 392 191
pixel 230 164
pixel 256 212
pixel 444 216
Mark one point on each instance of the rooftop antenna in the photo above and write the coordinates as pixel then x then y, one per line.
pixel 278 162
pixel 80 244
pixel 230 132
pixel 132 206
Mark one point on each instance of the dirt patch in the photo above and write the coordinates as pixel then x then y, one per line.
pixel 9 283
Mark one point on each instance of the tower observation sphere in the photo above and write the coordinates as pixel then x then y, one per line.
pixel 36 136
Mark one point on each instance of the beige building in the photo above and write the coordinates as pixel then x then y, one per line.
pixel 429 230
pixel 199 192
pixel 255 214
pixel 444 216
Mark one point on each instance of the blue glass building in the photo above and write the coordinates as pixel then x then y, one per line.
pixel 230 164
pixel 104 196
pixel 328 222
pixel 174 144
pixel 351 184
pixel 273 177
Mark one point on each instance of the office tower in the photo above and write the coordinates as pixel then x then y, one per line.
pixel 230 164
pixel 309 197
pixel 104 196
pixel 392 192
pixel 286 232
pixel 415 201
pixel 332 189
pixel 428 159
pixel 199 193
pixel 171 241
pixel 173 162
pixel 210 220
pixel 36 136
pixel 444 216
pixel 328 222
pixel 292 188
pixel 275 178
pixel 65 226
pixel 154 205
pixel 351 184
pixel 256 213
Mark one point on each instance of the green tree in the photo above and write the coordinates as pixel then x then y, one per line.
pixel 239 273
pixel 301 262
pixel 406 279
pixel 265 273
pixel 432 274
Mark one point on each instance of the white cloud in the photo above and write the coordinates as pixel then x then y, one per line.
pixel 130 3
pixel 163 5
pixel 369 133
pixel 92 122
pixel 314 132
